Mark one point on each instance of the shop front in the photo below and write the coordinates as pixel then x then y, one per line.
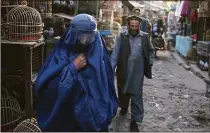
pixel 110 21
pixel 185 39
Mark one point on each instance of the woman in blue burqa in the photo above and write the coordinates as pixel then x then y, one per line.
pixel 75 86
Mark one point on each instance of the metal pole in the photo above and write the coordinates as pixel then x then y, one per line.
pixel 76 7
pixel 98 8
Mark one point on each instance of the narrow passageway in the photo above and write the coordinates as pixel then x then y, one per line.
pixel 174 100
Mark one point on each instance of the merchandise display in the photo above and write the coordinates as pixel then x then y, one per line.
pixel 204 9
pixel 110 20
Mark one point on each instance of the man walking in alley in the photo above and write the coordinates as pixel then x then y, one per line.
pixel 132 56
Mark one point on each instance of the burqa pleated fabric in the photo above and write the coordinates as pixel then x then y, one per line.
pixel 68 100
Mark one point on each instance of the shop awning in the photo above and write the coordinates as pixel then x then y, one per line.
pixel 154 5
pixel 136 4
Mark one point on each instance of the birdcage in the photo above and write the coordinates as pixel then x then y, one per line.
pixel 44 7
pixel 28 125
pixel 203 48
pixel 11 113
pixel 6 6
pixel 21 61
pixel 4 92
pixel 24 24
pixel 204 9
pixel 2 31
pixel 11 2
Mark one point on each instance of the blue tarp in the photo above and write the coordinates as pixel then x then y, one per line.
pixel 183 44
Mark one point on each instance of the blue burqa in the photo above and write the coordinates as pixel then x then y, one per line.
pixel 68 100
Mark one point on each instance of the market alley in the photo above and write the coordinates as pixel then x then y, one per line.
pixel 174 100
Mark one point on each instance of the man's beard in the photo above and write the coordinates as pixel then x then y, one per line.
pixel 133 32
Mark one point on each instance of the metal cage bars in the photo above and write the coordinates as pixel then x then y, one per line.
pixel 24 24
pixel 28 125
pixel 11 113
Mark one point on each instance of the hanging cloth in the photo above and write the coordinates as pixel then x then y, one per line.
pixel 185 11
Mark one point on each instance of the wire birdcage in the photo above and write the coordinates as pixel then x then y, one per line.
pixel 10 2
pixel 28 125
pixel 4 92
pixel 24 24
pixel 11 113
pixel 44 7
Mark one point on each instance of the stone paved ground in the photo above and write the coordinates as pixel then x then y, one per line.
pixel 174 100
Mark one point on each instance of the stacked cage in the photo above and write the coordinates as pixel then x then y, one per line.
pixel 22 55
pixel 6 6
pixel 43 6
pixel 203 50
pixel 11 113
pixel 204 9
pixel 110 21
pixel 28 125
